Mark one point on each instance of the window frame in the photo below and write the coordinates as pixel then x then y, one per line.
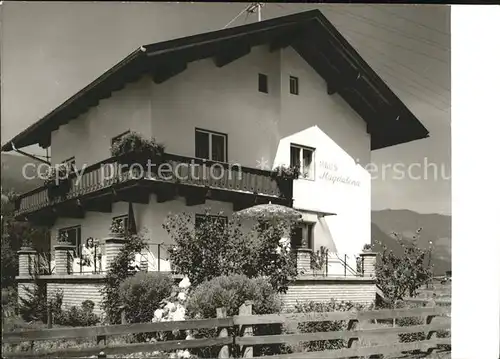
pixel 307 228
pixel 210 133
pixel 294 80
pixel 301 156
pixel 78 244
pixel 264 84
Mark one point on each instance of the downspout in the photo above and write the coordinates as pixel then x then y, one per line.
pixel 29 155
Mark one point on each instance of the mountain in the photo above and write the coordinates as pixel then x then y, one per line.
pixel 436 228
pixel 12 177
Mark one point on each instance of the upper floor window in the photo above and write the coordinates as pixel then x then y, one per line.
pixel 117 138
pixel 202 218
pixel 70 163
pixel 302 235
pixel 303 158
pixel 211 145
pixel 74 236
pixel 263 83
pixel 294 85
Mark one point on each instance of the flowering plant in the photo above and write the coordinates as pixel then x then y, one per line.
pixel 56 173
pixel 174 309
pixel 288 172
pixel 117 227
pixel 62 237
pixel 134 142
pixel 367 247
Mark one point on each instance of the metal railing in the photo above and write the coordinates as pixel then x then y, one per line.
pixel 156 259
pixel 337 265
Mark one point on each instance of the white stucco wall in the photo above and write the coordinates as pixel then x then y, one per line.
pixel 88 137
pixel 260 127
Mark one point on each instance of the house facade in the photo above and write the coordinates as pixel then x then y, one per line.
pixel 240 102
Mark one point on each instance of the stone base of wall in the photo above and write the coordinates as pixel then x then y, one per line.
pixel 358 290
pixel 76 293
pixel 75 289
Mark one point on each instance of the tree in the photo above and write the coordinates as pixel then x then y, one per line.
pixel 216 248
pixel 15 234
pixel 401 276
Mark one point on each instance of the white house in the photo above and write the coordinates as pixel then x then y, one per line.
pixel 285 91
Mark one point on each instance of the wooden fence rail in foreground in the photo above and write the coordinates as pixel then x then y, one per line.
pixel 242 340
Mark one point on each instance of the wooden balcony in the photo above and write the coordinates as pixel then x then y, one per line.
pixel 121 179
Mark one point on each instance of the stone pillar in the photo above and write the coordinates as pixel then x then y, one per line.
pixel 368 261
pixel 304 260
pixel 26 261
pixel 113 247
pixel 64 258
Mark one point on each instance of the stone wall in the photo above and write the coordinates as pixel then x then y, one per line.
pixel 358 290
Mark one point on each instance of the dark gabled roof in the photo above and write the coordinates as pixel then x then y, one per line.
pixel 310 33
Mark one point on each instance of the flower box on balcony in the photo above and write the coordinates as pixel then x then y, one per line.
pixel 57 181
pixel 133 148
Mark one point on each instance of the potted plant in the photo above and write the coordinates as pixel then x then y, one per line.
pixel 57 181
pixel 284 177
pixel 286 172
pixel 367 248
pixel 134 148
pixel 117 229
pixel 62 238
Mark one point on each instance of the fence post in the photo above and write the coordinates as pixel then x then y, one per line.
pixel 353 324
pixel 123 315
pixel 101 340
pixel 224 351
pixel 246 330
pixel 432 334
pixel 49 316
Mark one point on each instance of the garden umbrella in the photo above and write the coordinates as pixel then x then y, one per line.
pixel 268 212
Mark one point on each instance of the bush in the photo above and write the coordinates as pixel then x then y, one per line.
pixel 327 326
pixel 119 270
pixel 142 294
pixel 216 248
pixel 231 292
pixel 78 317
pixel 33 305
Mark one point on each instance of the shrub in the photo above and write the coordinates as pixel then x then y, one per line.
pixel 120 269
pixel 231 292
pixel 142 294
pixel 33 304
pixel 216 249
pixel 327 326
pixel 78 317
pixel 401 275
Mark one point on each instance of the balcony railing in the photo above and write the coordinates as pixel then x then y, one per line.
pixel 174 169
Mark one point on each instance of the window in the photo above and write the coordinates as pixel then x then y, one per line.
pixel 263 83
pixel 302 236
pixel 74 235
pixel 117 138
pixel 124 220
pixel 294 85
pixel 211 145
pixel 303 158
pixel 71 163
pixel 201 218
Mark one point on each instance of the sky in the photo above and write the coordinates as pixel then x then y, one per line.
pixel 50 50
